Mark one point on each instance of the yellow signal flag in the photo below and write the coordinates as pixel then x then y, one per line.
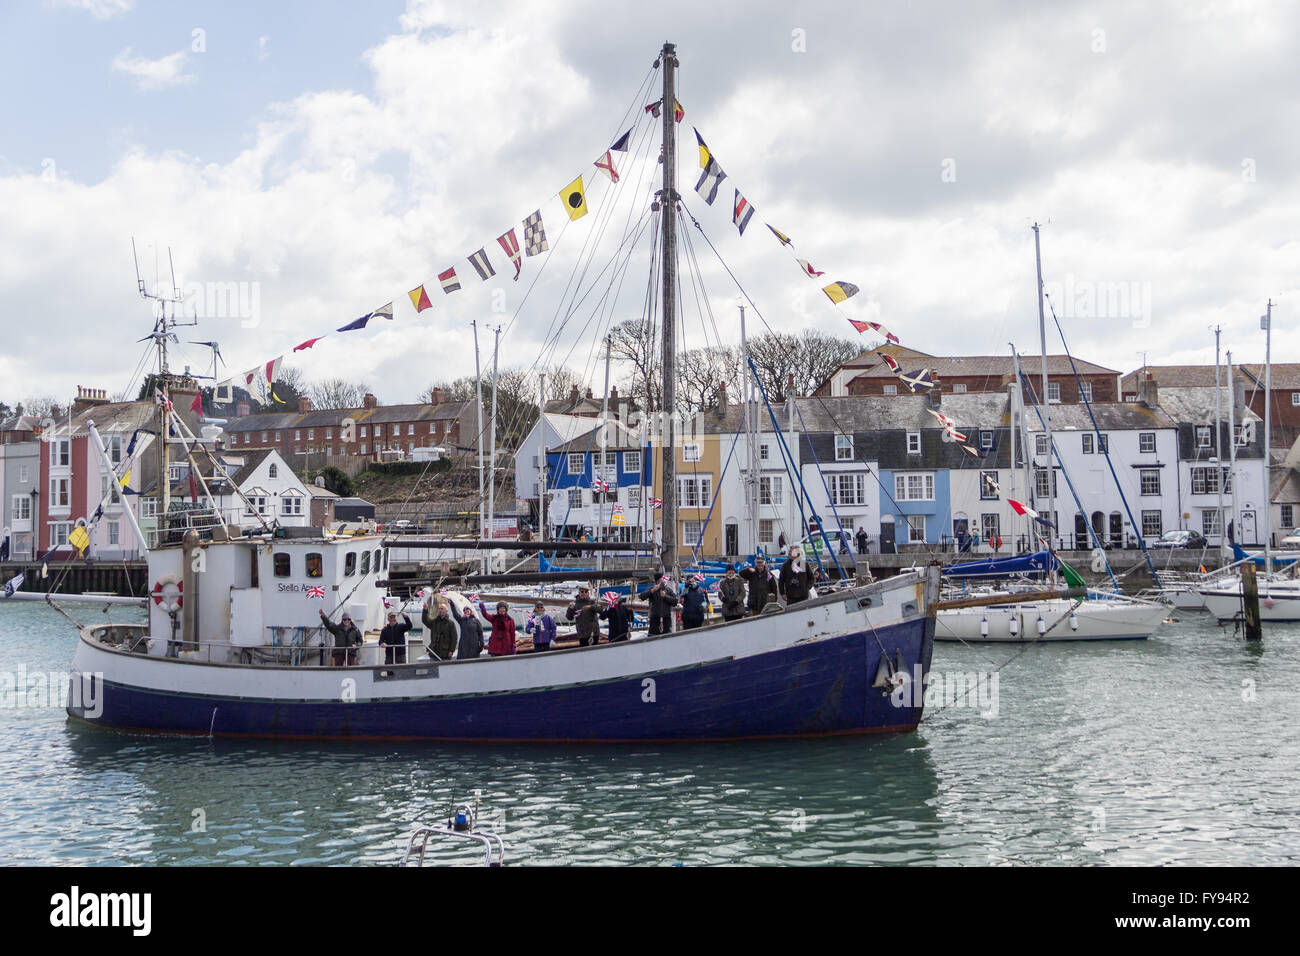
pixel 704 151
pixel 126 479
pixel 575 200
pixel 79 539
pixel 837 292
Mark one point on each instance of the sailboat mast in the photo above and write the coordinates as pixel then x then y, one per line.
pixel 753 478
pixel 1042 398
pixel 1232 449
pixel 1218 445
pixel 668 204
pixel 164 411
pixel 1267 322
pixel 541 457
pixel 604 457
pixel 492 451
pixel 478 443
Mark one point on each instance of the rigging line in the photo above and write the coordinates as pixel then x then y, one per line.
pixel 803 427
pixel 717 493
pixel 1137 528
pixel 884 489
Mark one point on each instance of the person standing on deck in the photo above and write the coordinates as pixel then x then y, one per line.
pixel 695 604
pixel 542 626
pixel 662 600
pixel 796 578
pixel 471 633
pixel 346 639
pixel 619 616
pixel 443 635
pixel 501 643
pixel 762 585
pixel 393 638
pixel 731 592
pixel 583 610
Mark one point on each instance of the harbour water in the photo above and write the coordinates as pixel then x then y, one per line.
pixel 1183 749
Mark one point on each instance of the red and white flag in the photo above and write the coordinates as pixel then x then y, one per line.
pixel 1021 509
pixel 893 365
pixel 877 327
pixel 656 502
pixel 606 165
pixel 449 281
pixel 319 592
pixel 511 247
pixel 808 268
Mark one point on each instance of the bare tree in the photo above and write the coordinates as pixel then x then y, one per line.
pixel 809 358
pixel 701 373
pixel 42 406
pixel 634 345
pixel 333 393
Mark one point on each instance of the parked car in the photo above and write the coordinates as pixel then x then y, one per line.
pixel 1291 542
pixel 1180 539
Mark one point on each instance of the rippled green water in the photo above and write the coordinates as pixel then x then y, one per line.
pixel 1150 752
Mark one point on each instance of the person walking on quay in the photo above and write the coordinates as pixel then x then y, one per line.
pixel 583 610
pixel 619 616
pixel 662 600
pixel 393 638
pixel 762 585
pixel 796 578
pixel 542 626
pixel 471 633
pixel 731 592
pixel 443 632
pixel 862 540
pixel 501 643
pixel 346 639
pixel 695 603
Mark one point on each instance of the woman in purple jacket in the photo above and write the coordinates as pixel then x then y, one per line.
pixel 542 626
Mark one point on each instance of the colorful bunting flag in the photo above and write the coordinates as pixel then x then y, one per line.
pixel 356 323
pixel 126 479
pixel 606 165
pixel 224 393
pixel 79 539
pixel 13 584
pixel 162 399
pixel 449 281
pixel 620 144
pixel 704 152
pixel 710 179
pixel 837 292
pixel 919 379
pixel 742 213
pixel 534 235
pixel 781 237
pixel 273 366
pixel 196 406
pixel 574 199
pixel 510 244
pixel 479 261
pixel 308 344
pixel 419 298
pixel 385 311
pixel 971 450
pixel 891 363
pixel 808 268
pixel 881 330
pixel 679 114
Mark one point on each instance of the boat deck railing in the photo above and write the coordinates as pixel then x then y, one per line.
pixel 490 841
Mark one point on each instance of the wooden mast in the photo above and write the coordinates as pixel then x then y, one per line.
pixel 668 205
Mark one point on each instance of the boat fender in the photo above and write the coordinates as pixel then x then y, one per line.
pixel 1074 621
pixel 464 821
pixel 1015 625
pixel 1098 561
pixel 1042 626
pixel 984 627
pixel 168 593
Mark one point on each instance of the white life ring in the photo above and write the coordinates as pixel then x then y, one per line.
pixel 168 593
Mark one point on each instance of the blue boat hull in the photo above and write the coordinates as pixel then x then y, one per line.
pixel 819 688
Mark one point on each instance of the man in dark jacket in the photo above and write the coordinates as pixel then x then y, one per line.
pixel 695 603
pixel 471 634
pixel 393 638
pixel 731 592
pixel 346 639
pixel 583 610
pixel 662 601
pixel 620 619
pixel 762 585
pixel 796 578
pixel 443 633
pixel 862 540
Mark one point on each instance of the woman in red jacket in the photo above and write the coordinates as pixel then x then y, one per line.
pixel 502 641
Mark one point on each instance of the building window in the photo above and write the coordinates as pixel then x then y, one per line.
pixel 311 434
pixel 766 526
pixel 918 486
pixel 1103 443
pixel 959 389
pixel 431 424
pixel 890 390
pixel 257 503
pixel 291 505
pixel 605 465
pixel 575 497
pixel 363 431
pixel 1041 487
pixel 1151 524
pixel 769 490
pixel 60 453
pixel 1040 444
pixel 1210 523
pixel 1295 398
pixel 914 443
pixel 22 508
pixel 988 485
pixel 846 489
pixel 1146 443
pixel 691 451
pixel 297 434
pixel 1205 481
pixel 59 531
pixel 1288 516
pixel 990 526
pixel 843 447
pixel 632 462
pixel 1243 434
pixel 691 531
pixel 1085 391
pixel 114 533
pixel 114 448
pixel 1053 391
pixel 574 462
pixel 363 448
pixel 986 440
pixel 24 475
pixel 763 451
pixel 695 491
pixel 282 564
pixel 1150 481
pixel 148 507
pixel 329 434
pixel 1088 444
pixel 273 471
pixel 59 493
pixel 916 529
pixel 410 429
pixel 264 434
pixel 1202 436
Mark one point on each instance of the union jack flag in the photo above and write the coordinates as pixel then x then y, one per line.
pixel 387 603
pixel 319 592
pixel 656 502
pixel 611 598
pixel 599 484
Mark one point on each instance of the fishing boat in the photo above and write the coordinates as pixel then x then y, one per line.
pixel 233 644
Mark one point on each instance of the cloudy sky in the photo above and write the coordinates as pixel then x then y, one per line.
pixel 327 157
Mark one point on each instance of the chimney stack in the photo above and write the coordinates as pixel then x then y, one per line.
pixel 722 398
pixel 304 405
pixel 1148 393
pixel 574 395
pixel 370 401
pixel 242 410
pixel 437 396
pixel 88 398
pixel 589 393
pixel 934 397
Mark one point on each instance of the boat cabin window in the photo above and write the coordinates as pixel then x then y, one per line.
pixel 350 564
pixel 378 552
pixel 282 564
pixel 365 562
pixel 314 564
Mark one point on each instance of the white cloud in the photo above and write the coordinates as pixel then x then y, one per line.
pixel 158 74
pixel 99 9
